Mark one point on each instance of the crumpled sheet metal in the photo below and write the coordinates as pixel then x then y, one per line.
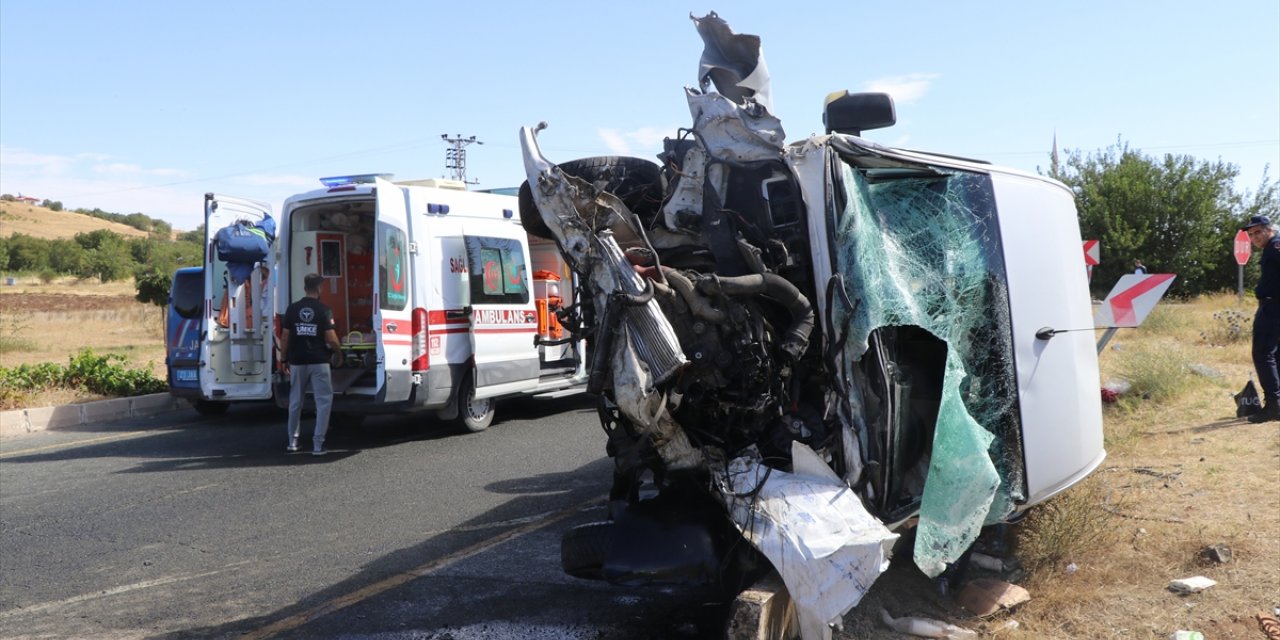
pixel 734 62
pixel 813 529
pixel 645 350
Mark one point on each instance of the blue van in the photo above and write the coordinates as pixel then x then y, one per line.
pixel 183 330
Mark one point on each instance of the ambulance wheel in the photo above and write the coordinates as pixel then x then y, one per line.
pixel 635 181
pixel 474 415
pixel 209 408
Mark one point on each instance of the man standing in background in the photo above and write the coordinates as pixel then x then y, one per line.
pixel 306 337
pixel 1266 322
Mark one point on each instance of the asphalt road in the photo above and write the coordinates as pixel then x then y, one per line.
pixel 182 527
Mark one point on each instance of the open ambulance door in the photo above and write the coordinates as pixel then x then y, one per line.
pixel 504 320
pixel 393 289
pixel 236 350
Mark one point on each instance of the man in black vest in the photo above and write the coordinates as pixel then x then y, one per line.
pixel 306 337
pixel 1266 322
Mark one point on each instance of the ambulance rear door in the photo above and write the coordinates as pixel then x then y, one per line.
pixel 236 351
pixel 394 291
pixel 504 321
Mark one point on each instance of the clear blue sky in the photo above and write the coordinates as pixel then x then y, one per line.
pixel 143 106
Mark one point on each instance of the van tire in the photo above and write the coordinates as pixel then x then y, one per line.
pixel 210 408
pixel 474 415
pixel 636 181
pixel 584 548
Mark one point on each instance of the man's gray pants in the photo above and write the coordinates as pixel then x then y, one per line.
pixel 317 377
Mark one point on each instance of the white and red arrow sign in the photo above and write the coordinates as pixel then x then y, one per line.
pixel 1092 253
pixel 1133 297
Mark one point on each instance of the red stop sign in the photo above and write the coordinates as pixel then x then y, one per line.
pixel 1243 248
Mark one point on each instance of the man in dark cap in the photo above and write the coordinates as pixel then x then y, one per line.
pixel 1266 322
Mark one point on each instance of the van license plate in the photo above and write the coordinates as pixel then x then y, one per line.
pixel 184 375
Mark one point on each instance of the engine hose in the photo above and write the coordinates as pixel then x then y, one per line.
pixel 780 289
pixel 698 304
pixel 635 299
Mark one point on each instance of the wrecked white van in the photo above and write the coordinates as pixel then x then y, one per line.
pixel 815 344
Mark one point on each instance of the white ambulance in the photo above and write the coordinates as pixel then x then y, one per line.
pixel 441 300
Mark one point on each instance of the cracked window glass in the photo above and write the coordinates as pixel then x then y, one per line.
pixel 930 351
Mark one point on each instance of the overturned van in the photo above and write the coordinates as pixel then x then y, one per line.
pixel 814 345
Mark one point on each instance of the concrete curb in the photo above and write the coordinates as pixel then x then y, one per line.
pixel 20 422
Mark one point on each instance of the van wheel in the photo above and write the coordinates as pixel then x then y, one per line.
pixel 210 408
pixel 474 415
pixel 636 181
pixel 584 548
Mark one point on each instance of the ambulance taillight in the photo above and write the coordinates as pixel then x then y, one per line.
pixel 421 338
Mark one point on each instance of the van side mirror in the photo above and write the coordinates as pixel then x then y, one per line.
pixel 853 113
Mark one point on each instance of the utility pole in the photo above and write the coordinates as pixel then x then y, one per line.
pixel 455 157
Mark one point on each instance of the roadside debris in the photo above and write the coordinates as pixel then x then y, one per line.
pixel 926 627
pixel 985 596
pixel 1191 585
pixel 986 562
pixel 1269 624
pixel 1186 635
pixel 1216 554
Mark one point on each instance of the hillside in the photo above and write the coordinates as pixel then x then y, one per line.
pixel 39 222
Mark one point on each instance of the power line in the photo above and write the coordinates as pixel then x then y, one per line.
pixel 455 157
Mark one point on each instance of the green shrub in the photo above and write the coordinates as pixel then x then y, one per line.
pixel 101 374
pixel 32 377
pixel 107 375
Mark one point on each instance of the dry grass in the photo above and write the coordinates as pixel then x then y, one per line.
pixel 51 322
pixel 39 222
pixel 1182 474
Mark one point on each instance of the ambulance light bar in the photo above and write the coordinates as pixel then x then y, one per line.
pixel 364 178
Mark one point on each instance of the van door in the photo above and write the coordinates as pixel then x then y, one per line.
pixel 236 352
pixel 393 290
pixel 504 321
pixel 182 331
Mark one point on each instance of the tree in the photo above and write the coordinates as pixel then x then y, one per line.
pixel 27 253
pixel 108 255
pixel 1176 214
pixel 195 235
pixel 66 256
pixel 152 286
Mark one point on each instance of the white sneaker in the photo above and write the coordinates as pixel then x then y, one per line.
pixel 293 448
pixel 320 452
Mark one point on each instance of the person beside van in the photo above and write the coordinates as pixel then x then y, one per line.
pixel 308 338
pixel 1266 321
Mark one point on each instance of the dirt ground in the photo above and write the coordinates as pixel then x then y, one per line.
pixel 52 322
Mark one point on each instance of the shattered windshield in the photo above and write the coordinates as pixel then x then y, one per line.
pixel 920 250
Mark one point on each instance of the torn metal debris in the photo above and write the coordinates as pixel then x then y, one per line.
pixel 815 345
